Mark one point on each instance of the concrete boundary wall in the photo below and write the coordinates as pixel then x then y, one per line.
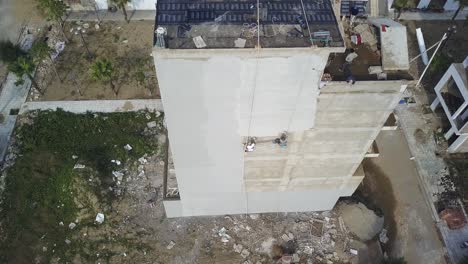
pixel 100 106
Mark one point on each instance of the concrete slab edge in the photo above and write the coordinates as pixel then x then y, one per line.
pixel 100 106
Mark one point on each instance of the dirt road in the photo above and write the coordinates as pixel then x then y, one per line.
pixel 394 175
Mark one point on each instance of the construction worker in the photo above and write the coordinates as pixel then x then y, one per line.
pixel 354 11
pixel 349 60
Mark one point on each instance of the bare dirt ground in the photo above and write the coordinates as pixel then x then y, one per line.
pixel 128 47
pixel 433 31
pixel 392 182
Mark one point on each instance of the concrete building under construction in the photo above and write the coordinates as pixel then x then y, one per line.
pixel 253 125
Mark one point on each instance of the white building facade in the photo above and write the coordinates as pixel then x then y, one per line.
pixel 217 97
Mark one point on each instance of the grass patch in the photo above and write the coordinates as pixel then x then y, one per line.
pixel 41 188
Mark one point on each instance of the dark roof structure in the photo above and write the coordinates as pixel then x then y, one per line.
pixel 220 24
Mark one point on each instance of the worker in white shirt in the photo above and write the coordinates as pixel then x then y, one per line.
pixel 351 56
pixel 349 59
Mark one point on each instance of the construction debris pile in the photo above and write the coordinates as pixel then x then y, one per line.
pixel 365 34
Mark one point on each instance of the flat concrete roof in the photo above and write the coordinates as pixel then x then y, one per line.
pixel 394 48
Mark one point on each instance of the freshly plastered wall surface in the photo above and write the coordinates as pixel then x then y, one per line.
pixel 348 120
pixel 207 99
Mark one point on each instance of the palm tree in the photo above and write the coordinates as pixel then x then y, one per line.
pixel 24 66
pixel 102 70
pixel 121 5
pixel 399 5
pixel 54 10
pixel 461 4
pixel 10 52
pixel 40 51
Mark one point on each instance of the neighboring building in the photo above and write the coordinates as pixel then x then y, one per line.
pixel 452 95
pixel 224 81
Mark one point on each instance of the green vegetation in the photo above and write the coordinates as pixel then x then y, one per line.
pixel 10 52
pixel 102 70
pixel 42 189
pixel 440 63
pixel 121 5
pixel 24 65
pixel 54 10
pixel 461 4
pixel 464 260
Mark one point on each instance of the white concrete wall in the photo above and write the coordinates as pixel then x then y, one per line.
pixel 143 4
pixel 348 120
pixel 207 100
pixel 133 5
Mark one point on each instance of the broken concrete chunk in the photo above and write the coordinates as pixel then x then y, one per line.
pixel 245 253
pixel 74 156
pixel 285 237
pixel 353 251
pixel 142 160
pixel 72 225
pixel 67 241
pixel 128 147
pixel 240 43
pixel 383 238
pixel 151 124
pixel 295 258
pixel 238 248
pixel 158 114
pixel 254 216
pixel 224 237
pixel 61 224
pixel 79 166
pixel 99 218
pixel 119 175
pixel 170 245
pixel 199 42
pixel 116 162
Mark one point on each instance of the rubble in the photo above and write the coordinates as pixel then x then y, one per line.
pixel 128 147
pixel 79 166
pixel 142 160
pixel 238 248
pixel 72 225
pixel 224 236
pixel 170 245
pixel 152 124
pixel 245 253
pixel 383 238
pixel 99 218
